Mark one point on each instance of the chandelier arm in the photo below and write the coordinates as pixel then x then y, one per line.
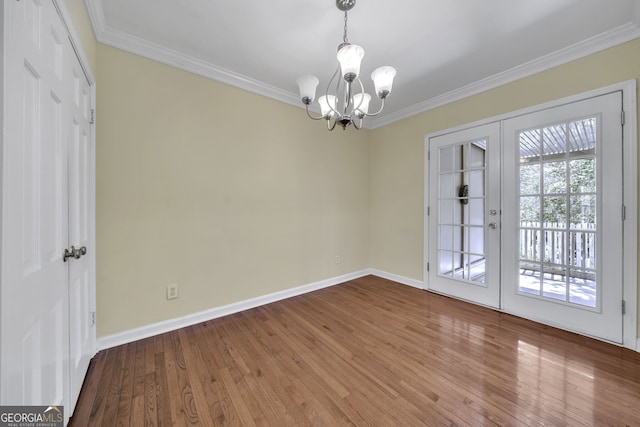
pixel 326 93
pixel 310 116
pixel 355 124
pixel 361 91
pixel 377 112
pixel 331 127
pixel 347 100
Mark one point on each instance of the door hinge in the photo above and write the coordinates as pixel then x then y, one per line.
pixel 429 155
pixel 92 120
pixel 428 210
pixel 622 118
pixel 624 307
pixel 624 212
pixel 92 318
pixel 427 267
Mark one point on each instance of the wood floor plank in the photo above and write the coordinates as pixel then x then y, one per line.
pixel 183 392
pixel 202 394
pixel 222 409
pixel 368 352
pixel 265 387
pixel 176 411
pixel 99 402
pixel 126 390
pixel 115 384
pixel 150 405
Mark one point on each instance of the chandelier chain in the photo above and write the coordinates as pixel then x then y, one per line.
pixel 344 38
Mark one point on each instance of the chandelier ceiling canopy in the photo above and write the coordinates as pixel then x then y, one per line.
pixel 348 103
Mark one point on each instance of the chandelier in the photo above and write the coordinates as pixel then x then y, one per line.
pixel 346 105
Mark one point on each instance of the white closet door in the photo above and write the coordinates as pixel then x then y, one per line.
pixel 81 212
pixel 35 312
pixel 48 196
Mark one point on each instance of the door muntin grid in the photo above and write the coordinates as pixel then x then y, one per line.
pixel 461 216
pixel 558 229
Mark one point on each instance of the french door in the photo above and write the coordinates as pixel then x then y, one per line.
pixel 563 185
pixel 464 200
pixel 525 216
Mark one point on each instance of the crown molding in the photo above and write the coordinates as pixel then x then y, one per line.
pixel 579 50
pixel 138 46
pixel 121 40
pixel 96 16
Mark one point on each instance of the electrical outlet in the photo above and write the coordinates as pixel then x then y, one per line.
pixel 172 291
pixel 338 260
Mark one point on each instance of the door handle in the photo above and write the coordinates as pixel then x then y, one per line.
pixel 77 253
pixel 493 225
pixel 74 253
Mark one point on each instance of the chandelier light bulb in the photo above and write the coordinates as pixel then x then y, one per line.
pixel 307 85
pixel 325 101
pixel 383 80
pixel 361 104
pixel 350 57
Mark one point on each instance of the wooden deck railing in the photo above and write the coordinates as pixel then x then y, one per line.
pixel 555 248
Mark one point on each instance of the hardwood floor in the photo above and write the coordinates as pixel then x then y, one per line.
pixel 369 352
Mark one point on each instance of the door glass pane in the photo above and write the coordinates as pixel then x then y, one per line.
pixel 446 159
pixel 554 140
pixel 554 177
pixel 461 201
pixel 554 210
pixel 446 238
pixel 475 212
pixel 476 240
pixel 445 263
pixel 558 207
pixel 447 185
pixel 583 211
pixel 582 135
pixel 529 145
pixel 475 179
pixel 530 209
pixel 582 175
pixel 530 179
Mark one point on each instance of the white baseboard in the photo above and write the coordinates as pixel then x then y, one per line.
pixel 195 318
pixel 214 313
pixel 400 279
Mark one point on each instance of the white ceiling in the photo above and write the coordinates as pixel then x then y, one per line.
pixel 442 49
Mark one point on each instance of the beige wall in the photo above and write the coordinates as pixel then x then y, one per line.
pixel 397 150
pixel 229 194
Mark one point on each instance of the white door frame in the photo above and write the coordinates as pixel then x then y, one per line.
pixel 630 193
